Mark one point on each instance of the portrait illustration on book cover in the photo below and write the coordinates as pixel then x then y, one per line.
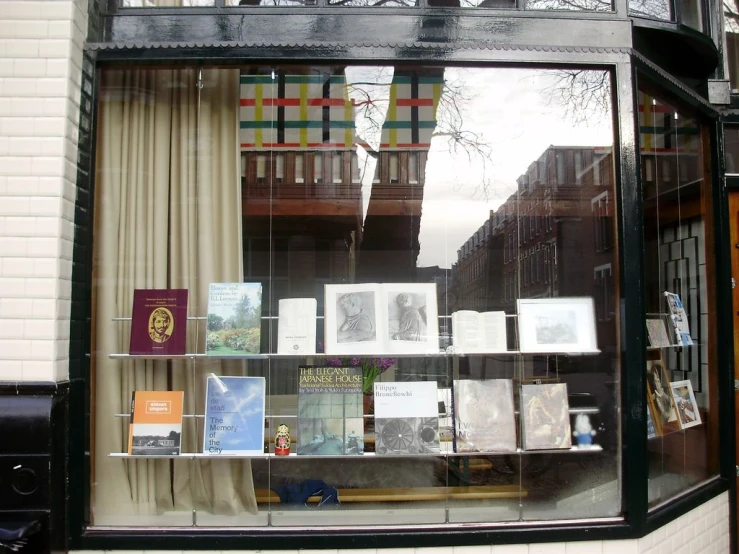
pixel 660 399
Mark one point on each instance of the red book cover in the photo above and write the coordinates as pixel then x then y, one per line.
pixel 158 322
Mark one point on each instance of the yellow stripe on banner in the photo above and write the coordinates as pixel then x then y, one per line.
pixel 258 117
pixel 437 96
pixel 303 113
pixel 392 114
pixel 647 146
pixel 348 116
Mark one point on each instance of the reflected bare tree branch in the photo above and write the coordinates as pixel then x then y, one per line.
pixel 584 94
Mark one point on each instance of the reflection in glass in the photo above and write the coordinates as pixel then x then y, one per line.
pixel 691 14
pixel 731 149
pixel 165 3
pixel 270 3
pixel 677 219
pixel 589 5
pixel 731 26
pixel 654 9
pixel 495 184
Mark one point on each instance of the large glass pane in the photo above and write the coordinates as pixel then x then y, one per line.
pixel 654 9
pixel 165 3
pixel 589 5
pixel 731 26
pixel 472 202
pixel 680 295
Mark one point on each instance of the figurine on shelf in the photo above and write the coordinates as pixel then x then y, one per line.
pixel 282 440
pixel 584 431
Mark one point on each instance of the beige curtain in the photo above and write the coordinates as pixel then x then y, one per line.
pixel 168 215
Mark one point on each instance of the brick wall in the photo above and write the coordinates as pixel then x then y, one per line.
pixel 41 45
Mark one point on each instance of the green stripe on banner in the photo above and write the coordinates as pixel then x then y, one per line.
pixel 430 80
pixel 408 124
pixel 253 79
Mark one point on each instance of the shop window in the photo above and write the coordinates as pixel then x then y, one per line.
pixel 652 9
pixel 394 243
pixel 602 222
pixel 681 372
pixel 731 149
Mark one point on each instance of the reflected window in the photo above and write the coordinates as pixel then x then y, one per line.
pixel 299 168
pixel 680 297
pixel 652 9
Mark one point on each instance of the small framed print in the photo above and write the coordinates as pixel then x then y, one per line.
pixel 687 408
pixel 557 325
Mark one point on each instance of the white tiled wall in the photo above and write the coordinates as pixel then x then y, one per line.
pixel 40 59
pixel 704 530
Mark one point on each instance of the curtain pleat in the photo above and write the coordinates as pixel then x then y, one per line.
pixel 169 216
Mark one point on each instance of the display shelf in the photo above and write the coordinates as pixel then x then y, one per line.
pixel 593 449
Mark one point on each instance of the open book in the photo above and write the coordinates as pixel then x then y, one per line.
pixel 479 332
pixel 372 319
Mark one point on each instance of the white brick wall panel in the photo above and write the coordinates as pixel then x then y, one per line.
pixel 70 168
pixel 16 308
pixel 64 289
pixel 38 370
pixel 68 190
pixel 29 68
pixel 37 288
pixel 24 28
pixel 6 106
pixel 17 86
pixel 21 10
pixel 15 349
pixel 51 165
pixel 23 48
pixel 42 349
pixel 59 29
pixel 61 330
pixel 16 126
pixel 13 287
pixel 10 370
pixel 58 10
pixel 67 248
pixel 22 185
pixel 63 309
pixel 43 309
pixel 18 267
pixel 26 107
pixel 45 267
pixel 54 48
pixel 39 329
pixel 43 247
pixel 13 247
pixel 16 165
pixel 3 46
pixel 24 226
pixel 57 67
pixel 4 146
pixel 50 186
pixel 67 209
pixel 11 329
pixel 19 206
pixel 52 107
pixel 66 229
pixel 53 86
pixel 49 126
pixel 6 66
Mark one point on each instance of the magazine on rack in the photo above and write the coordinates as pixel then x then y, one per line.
pixel 296 326
pixel 679 320
pixel 372 319
pixel 330 410
pixel 545 416
pixel 406 417
pixel 156 423
pixel 234 319
pixel 234 416
pixel 484 419
pixel 476 332
pixel 158 322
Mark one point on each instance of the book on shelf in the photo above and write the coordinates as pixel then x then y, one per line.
pixel 685 404
pixel 479 332
pixel 660 399
pixel 158 322
pixel 330 411
pixel 545 416
pixel 657 333
pixel 234 319
pixel 372 319
pixel 234 416
pixel 296 326
pixel 484 419
pixel 155 428
pixel 679 319
pixel 651 429
pixel 406 417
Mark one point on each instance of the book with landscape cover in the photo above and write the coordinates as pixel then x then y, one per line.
pixel 234 319
pixel 373 319
pixel 296 326
pixel 156 423
pixel 484 419
pixel 158 322
pixel 234 416
pixel 545 416
pixel 406 417
pixel 330 411
pixel 476 332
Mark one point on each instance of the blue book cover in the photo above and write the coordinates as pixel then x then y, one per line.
pixel 234 416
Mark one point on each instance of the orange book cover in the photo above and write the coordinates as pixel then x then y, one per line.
pixel 156 423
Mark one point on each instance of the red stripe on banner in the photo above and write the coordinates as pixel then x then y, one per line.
pixel 400 145
pixel 331 102
pixel 337 102
pixel 314 145
pixel 414 102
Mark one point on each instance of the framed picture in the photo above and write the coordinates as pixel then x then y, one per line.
pixel 390 318
pixel 687 408
pixel 557 325
pixel 659 396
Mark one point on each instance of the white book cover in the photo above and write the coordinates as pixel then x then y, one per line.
pixel 296 326
pixel 376 319
pixel 406 418
pixel 475 332
pixel 484 419
pixel 687 407
pixel 234 416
